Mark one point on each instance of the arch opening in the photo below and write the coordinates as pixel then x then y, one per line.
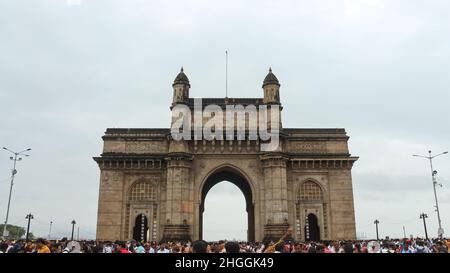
pixel 312 230
pixel 232 176
pixel 140 230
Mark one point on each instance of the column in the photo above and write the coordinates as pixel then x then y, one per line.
pixel 276 197
pixel 179 204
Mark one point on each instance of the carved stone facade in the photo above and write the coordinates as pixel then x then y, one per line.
pixel 153 187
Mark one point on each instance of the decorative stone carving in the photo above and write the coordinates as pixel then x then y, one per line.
pixel 145 147
pixel 308 147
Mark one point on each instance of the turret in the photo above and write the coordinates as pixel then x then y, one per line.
pixel 271 88
pixel 181 89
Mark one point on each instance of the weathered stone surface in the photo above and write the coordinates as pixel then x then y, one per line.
pixel 144 173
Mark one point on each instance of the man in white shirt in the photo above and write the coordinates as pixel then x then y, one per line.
pixel 163 249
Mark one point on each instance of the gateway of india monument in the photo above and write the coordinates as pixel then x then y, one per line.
pixel 153 187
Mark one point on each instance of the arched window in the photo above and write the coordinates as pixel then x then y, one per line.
pixel 142 191
pixel 309 191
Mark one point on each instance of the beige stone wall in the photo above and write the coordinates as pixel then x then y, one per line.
pixel 274 184
pixel 317 147
pixel 341 204
pixel 110 203
pixel 131 209
pixel 319 177
pixel 135 147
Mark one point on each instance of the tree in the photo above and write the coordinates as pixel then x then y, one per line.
pixel 15 232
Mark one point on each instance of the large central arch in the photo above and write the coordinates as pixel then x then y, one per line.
pixel 234 176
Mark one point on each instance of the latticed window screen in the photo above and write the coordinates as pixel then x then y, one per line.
pixel 309 191
pixel 142 191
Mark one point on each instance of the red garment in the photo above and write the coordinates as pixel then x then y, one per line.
pixel 124 250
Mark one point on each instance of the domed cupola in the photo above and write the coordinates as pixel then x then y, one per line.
pixel 181 78
pixel 271 87
pixel 181 87
pixel 270 79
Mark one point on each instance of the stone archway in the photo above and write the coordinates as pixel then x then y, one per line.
pixel 182 171
pixel 231 175
pixel 312 229
pixel 140 229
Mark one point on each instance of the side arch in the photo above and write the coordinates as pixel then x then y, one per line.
pixel 141 198
pixel 311 199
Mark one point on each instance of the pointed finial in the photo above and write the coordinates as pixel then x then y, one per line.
pixel 181 68
pixel 270 78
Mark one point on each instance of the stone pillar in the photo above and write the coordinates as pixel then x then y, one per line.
pixel 110 206
pixel 179 201
pixel 275 195
pixel 342 208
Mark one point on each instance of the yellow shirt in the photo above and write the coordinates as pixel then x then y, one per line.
pixel 44 249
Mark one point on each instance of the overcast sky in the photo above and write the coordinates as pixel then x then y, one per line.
pixel 71 69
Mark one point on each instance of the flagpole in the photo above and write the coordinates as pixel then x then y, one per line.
pixel 226 73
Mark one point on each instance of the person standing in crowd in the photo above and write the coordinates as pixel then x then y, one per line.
pixel 139 248
pixel 163 248
pixel 232 247
pixel 348 247
pixel 298 248
pixel 421 247
pixel 341 248
pixel 122 248
pixel 447 243
pixel 312 248
pixel 55 247
pixel 364 248
pixel 406 249
pixel 320 248
pixel 439 247
pixel 3 247
pixel 278 248
pixel 107 248
pixel 199 246
pixel 357 248
pixel 41 247
pixel 372 249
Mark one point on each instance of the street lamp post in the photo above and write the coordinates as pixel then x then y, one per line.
pixel 423 216
pixel 50 230
pixel 29 217
pixel 73 227
pixel 376 222
pixel 14 158
pixel 433 178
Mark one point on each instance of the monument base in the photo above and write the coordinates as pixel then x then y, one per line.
pixel 275 232
pixel 176 233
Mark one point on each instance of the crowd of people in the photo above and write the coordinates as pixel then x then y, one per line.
pixel 416 245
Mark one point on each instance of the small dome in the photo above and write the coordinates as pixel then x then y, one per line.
pixel 270 79
pixel 181 78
